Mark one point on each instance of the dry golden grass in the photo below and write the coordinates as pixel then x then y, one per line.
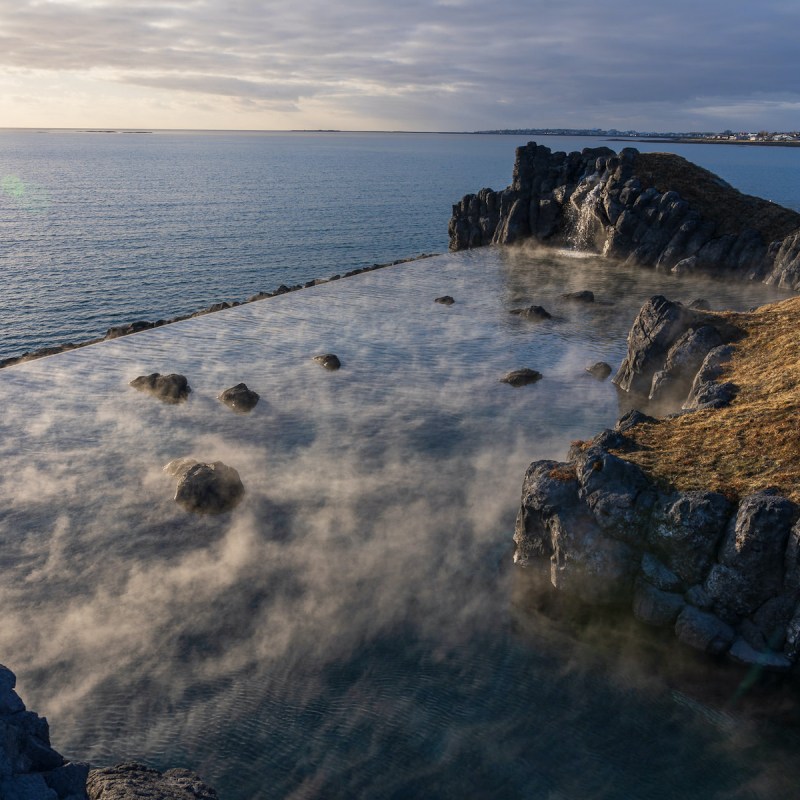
pixel 755 442
pixel 731 210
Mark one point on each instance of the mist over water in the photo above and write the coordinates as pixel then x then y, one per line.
pixel 100 229
pixel 355 627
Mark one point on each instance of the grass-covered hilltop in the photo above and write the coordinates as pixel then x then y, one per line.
pixel 752 444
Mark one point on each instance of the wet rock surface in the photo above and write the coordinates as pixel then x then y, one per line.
pixel 205 488
pixel 444 300
pixel 329 361
pixel 171 388
pixel 652 209
pixel 133 781
pixel 521 377
pixel 582 296
pixel 240 398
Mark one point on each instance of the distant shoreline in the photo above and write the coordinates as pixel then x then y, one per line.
pixel 745 143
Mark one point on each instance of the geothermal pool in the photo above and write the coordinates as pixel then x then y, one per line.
pixel 355 627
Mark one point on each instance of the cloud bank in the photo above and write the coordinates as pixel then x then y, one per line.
pixel 452 64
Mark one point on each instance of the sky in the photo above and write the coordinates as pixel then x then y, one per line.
pixel 400 64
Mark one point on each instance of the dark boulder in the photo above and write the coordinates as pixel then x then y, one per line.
pixel 532 313
pixel 240 398
pixel 444 300
pixel 205 488
pixel 328 360
pixel 171 388
pixel 600 370
pixel 655 606
pixel 521 377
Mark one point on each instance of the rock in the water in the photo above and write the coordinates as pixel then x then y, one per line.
pixel 134 781
pixel 205 488
pixel 700 303
pixel 328 360
pixel 240 398
pixel 444 300
pixel 521 377
pixel 583 296
pixel 169 388
pixel 532 312
pixel 600 370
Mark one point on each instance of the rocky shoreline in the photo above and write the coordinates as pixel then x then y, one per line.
pixel 30 769
pixel 648 209
pixel 721 570
pixel 142 325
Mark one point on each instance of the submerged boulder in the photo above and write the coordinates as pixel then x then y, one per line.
pixel 444 300
pixel 171 388
pixel 532 313
pixel 521 377
pixel 205 488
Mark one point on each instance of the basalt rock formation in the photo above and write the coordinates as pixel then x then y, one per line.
pixel 722 571
pixel 649 209
pixel 30 769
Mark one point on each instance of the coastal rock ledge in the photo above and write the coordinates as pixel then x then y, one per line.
pixel 649 209
pixel 721 569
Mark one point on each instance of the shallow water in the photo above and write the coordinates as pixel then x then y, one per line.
pixel 355 628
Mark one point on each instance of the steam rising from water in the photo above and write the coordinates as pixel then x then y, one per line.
pixel 348 629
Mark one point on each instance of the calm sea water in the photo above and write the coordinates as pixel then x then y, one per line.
pixel 355 628
pixel 102 229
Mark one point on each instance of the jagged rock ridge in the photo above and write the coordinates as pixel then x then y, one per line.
pixel 649 209
pixel 725 575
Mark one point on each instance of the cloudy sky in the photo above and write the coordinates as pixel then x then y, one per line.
pixel 400 64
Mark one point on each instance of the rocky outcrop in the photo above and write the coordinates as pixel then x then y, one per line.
pixel 205 488
pixel 30 769
pixel 724 575
pixel 650 209
pixel 726 578
pixel 134 781
pixel 667 346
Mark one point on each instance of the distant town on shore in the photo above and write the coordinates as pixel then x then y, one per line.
pixel 727 136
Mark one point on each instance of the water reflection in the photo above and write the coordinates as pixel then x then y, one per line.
pixel 354 627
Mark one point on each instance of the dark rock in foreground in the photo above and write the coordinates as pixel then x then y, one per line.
pixel 240 398
pixel 134 781
pixel 521 377
pixel 30 769
pixel 328 360
pixel 169 388
pixel 205 488
pixel 444 300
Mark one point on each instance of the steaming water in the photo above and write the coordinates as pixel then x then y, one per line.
pixel 355 628
pixel 99 230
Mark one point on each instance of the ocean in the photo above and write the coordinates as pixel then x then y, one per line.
pixel 102 229
pixel 356 626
